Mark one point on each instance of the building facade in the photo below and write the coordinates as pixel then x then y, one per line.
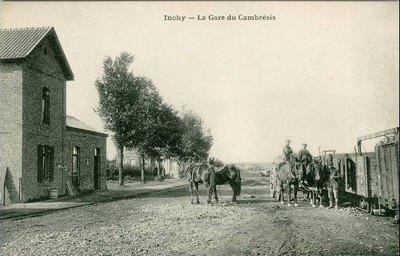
pixel 37 139
pixel 133 158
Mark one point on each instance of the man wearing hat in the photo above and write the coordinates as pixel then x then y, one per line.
pixel 305 158
pixel 333 185
pixel 287 151
pixel 304 155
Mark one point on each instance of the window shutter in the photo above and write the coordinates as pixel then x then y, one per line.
pixel 40 173
pixel 51 169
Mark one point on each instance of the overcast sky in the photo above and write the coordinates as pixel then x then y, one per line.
pixel 323 73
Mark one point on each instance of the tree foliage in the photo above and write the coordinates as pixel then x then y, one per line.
pixel 119 98
pixel 162 127
pixel 132 108
pixel 196 140
pixel 121 106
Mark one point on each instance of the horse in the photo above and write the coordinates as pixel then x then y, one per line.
pixel 229 174
pixel 197 173
pixel 288 174
pixel 315 179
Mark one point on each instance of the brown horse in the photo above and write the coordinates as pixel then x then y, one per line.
pixel 314 181
pixel 229 174
pixel 202 173
pixel 288 174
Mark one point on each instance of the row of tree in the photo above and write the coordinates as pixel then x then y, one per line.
pixel 132 108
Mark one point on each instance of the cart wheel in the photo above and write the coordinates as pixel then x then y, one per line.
pixel 368 206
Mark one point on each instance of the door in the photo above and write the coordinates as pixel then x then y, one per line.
pixel 76 166
pixel 96 174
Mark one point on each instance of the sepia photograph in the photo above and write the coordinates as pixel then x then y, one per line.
pixel 199 128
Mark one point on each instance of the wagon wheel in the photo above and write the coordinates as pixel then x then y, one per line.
pixel 366 203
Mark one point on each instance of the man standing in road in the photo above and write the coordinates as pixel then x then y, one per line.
pixel 333 186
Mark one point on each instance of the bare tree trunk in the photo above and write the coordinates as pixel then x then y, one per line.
pixel 143 178
pixel 121 165
pixel 158 170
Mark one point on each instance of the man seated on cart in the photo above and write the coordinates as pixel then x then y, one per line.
pixel 287 152
pixel 305 159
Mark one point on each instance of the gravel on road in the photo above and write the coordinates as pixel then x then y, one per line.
pixel 167 224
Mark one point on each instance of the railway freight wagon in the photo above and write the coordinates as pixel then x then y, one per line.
pixel 370 179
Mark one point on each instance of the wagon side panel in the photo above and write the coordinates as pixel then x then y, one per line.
pixel 388 174
pixel 382 174
pixel 395 172
pixel 362 176
pixel 372 174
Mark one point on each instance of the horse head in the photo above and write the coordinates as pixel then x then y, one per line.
pixel 317 172
pixel 296 169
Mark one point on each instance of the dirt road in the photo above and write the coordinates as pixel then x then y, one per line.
pixel 166 224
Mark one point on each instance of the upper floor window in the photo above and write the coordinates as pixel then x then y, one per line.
pixel 45 105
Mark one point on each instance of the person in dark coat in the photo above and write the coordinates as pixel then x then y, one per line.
pixel 333 186
pixel 304 155
pixel 305 159
pixel 287 151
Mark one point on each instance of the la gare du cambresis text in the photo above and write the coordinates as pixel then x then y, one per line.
pixel 219 17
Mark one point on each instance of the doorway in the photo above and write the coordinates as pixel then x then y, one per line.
pixel 96 174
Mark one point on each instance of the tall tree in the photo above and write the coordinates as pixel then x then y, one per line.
pixel 119 102
pixel 133 109
pixel 162 128
pixel 166 135
pixel 196 140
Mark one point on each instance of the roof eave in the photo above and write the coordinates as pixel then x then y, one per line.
pixel 66 67
pixel 87 131
pixel 69 74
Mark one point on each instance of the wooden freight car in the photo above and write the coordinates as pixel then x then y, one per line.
pixel 387 153
pixel 370 179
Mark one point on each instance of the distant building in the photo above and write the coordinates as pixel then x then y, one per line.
pixel 41 148
pixel 133 158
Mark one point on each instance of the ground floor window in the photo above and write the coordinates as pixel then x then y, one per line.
pixel 45 163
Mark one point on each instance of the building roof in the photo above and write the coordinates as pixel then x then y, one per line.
pixel 74 123
pixel 18 43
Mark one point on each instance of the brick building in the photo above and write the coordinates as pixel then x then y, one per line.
pixel 41 148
